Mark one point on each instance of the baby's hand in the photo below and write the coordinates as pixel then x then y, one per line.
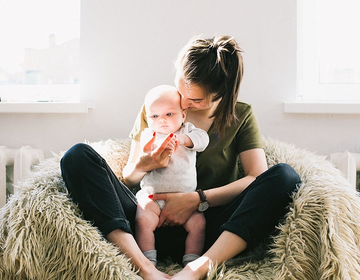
pixel 173 144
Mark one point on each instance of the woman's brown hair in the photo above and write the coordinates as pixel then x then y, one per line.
pixel 216 65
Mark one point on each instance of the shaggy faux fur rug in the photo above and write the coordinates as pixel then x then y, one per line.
pixel 43 236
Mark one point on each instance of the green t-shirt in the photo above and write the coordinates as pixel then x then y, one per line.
pixel 217 165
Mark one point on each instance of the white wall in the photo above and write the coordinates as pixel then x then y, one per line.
pixel 127 47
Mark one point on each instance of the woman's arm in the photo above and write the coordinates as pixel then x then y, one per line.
pixel 180 206
pixel 131 175
pixel 143 160
pixel 254 164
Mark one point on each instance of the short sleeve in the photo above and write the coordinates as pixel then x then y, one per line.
pixel 249 135
pixel 139 125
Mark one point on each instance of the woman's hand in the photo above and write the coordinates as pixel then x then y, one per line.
pixel 178 208
pixel 151 158
pixel 143 160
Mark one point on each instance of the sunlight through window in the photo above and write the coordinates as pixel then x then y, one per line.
pixel 328 50
pixel 39 50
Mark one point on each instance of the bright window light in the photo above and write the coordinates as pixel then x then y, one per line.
pixel 328 50
pixel 39 50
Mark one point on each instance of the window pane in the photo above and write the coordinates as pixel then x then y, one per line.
pixel 39 42
pixel 339 41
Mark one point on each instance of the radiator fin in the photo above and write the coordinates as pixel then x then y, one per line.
pixel 15 166
pixel 349 164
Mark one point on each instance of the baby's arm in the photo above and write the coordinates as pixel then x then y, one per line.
pixel 198 137
pixel 185 140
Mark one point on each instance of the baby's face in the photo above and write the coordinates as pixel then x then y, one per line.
pixel 165 116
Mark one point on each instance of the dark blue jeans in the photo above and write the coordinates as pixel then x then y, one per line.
pixel 110 205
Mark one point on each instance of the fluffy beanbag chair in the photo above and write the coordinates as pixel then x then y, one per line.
pixel 43 235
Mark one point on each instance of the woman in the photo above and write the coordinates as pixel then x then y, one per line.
pixel 242 211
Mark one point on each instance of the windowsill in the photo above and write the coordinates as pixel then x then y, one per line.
pixel 44 107
pixel 321 108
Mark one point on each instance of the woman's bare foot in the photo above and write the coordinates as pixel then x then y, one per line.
pixel 151 273
pixel 194 270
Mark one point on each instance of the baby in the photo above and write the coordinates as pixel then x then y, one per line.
pixel 165 116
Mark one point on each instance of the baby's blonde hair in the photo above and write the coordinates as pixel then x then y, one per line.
pixel 162 92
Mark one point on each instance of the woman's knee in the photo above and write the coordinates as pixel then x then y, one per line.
pixel 75 159
pixel 288 174
pixel 74 155
pixel 285 180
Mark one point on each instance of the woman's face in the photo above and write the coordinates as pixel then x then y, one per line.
pixel 193 97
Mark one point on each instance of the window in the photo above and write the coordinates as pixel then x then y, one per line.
pixel 39 50
pixel 328 50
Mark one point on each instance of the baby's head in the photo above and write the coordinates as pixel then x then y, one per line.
pixel 163 111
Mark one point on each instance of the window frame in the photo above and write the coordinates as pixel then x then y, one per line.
pixel 309 88
pixel 29 98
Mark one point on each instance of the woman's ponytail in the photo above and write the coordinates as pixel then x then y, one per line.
pixel 216 65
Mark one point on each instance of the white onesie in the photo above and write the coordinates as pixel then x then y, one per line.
pixel 180 174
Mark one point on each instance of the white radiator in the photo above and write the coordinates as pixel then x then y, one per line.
pixel 15 165
pixel 348 164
